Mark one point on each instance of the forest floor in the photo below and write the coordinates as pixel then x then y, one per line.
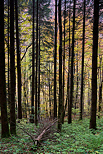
pixel 75 138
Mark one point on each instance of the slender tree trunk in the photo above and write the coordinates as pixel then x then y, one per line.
pixel 3 103
pixel 88 93
pixel 18 63
pixel 24 88
pixel 94 65
pixel 72 65
pixel 60 70
pixel 33 59
pixel 28 106
pixel 82 71
pixel 8 54
pixel 36 100
pixel 55 61
pixel 49 92
pixel 64 59
pixel 39 73
pixel 100 88
pixel 68 83
pixel 12 71
pixel 77 79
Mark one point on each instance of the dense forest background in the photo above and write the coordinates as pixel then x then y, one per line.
pixel 51 63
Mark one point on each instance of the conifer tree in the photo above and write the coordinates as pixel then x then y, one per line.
pixel 94 65
pixel 3 103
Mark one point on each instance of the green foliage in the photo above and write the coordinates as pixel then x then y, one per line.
pixel 74 138
pixel 75 111
pixel 77 138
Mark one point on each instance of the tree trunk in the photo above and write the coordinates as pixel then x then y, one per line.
pixel 39 73
pixel 8 55
pixel 100 88
pixel 88 94
pixel 82 71
pixel 60 70
pixel 3 103
pixel 68 83
pixel 72 65
pixel 33 59
pixel 36 100
pixel 55 62
pixel 64 58
pixel 76 102
pixel 94 65
pixel 18 63
pixel 49 93
pixel 12 71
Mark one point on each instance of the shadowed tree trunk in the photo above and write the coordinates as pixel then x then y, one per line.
pixel 72 65
pixel 49 93
pixel 36 100
pixel 88 94
pixel 33 59
pixel 55 62
pixel 18 63
pixel 12 71
pixel 8 54
pixel 60 107
pixel 68 83
pixel 82 71
pixel 94 65
pixel 100 88
pixel 76 102
pixel 39 73
pixel 3 103
pixel 64 59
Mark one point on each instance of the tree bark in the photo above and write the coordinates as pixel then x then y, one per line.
pixel 68 83
pixel 18 63
pixel 64 58
pixel 12 71
pixel 60 70
pixel 100 88
pixel 55 62
pixel 33 60
pixel 94 65
pixel 39 73
pixel 72 65
pixel 36 89
pixel 82 71
pixel 77 80
pixel 3 103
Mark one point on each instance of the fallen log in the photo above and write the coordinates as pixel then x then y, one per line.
pixel 37 140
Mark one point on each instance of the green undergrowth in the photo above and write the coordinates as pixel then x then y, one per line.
pixel 74 138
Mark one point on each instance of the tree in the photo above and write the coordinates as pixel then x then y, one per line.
pixel 68 80
pixel 60 69
pixel 76 101
pixel 94 65
pixel 72 65
pixel 12 71
pixel 3 103
pixel 18 63
pixel 64 58
pixel 100 88
pixel 82 71
pixel 8 55
pixel 39 72
pixel 33 59
pixel 55 60
pixel 36 78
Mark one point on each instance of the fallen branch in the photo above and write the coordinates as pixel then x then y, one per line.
pixel 37 140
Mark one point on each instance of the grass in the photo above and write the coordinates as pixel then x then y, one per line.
pixel 75 138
